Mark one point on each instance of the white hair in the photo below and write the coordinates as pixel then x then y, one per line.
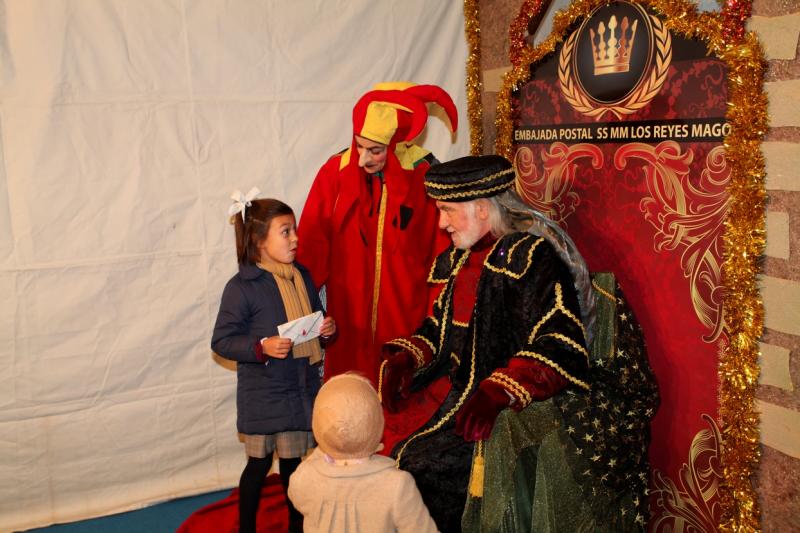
pixel 499 222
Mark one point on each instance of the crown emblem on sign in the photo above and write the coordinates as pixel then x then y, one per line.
pixel 613 54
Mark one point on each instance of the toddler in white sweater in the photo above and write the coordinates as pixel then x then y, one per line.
pixel 344 486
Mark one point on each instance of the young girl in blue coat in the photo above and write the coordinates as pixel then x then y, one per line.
pixel 277 381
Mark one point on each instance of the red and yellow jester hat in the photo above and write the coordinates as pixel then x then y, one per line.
pixel 395 112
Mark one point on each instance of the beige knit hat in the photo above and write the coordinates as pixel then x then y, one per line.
pixel 348 418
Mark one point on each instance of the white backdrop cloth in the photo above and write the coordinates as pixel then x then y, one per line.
pixel 124 127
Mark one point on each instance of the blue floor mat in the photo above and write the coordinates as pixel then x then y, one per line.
pixel 164 517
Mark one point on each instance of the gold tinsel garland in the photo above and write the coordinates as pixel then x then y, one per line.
pixel 518 29
pixel 472 27
pixel 744 236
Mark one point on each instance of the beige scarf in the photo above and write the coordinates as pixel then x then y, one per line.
pixel 295 301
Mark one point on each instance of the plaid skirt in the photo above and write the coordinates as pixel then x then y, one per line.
pixel 289 444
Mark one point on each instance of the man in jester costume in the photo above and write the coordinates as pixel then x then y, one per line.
pixel 537 432
pixel 368 230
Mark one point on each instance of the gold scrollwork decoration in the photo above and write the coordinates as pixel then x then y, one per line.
pixel 694 505
pixel 687 217
pixel 551 193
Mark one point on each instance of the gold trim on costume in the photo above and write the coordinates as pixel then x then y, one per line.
pixel 470 194
pixel 512 386
pixel 446 310
pixel 539 324
pixel 410 347
pixel 380 380
pixel 452 411
pixel 507 272
pixel 460 324
pixel 558 306
pixel 567 340
pixel 576 320
pixel 431 279
pixel 514 246
pixel 554 366
pixel 602 291
pixel 425 340
pixel 490 177
pixel 376 289
pixel 443 324
pixel 438 302
pixel 560 303
pixel 491 252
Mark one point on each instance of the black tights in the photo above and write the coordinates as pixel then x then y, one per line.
pixel 287 467
pixel 250 485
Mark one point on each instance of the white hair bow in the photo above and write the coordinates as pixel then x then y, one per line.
pixel 242 201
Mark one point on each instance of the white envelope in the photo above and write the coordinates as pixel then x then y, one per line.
pixel 302 329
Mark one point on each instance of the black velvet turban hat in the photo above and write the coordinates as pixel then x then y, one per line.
pixel 469 178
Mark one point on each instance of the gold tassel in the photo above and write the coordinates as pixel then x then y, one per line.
pixel 476 479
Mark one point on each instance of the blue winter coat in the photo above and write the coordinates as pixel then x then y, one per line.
pixel 273 397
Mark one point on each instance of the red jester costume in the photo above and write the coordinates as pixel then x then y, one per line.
pixel 369 236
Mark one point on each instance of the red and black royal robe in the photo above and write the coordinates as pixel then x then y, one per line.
pixel 523 332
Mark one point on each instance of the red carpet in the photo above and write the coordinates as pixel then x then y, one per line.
pixel 223 516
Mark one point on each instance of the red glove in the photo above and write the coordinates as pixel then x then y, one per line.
pixel 397 371
pixel 476 419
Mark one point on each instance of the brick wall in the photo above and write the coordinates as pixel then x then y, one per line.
pixel 778 482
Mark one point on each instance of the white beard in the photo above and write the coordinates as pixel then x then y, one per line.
pixel 465 239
